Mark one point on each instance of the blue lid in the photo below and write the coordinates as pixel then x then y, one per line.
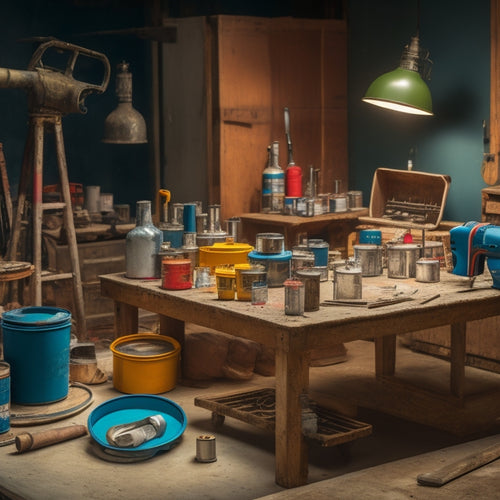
pixel 38 315
pixel 285 255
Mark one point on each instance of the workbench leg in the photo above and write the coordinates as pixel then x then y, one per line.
pixel 385 355
pixel 457 358
pixel 174 328
pixel 126 319
pixel 292 380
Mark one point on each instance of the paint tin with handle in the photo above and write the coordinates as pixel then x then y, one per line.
pixel 348 283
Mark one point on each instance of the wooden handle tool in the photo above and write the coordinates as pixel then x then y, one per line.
pixel 32 441
pixel 459 468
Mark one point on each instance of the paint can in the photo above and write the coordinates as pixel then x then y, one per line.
pixel 4 397
pixel 205 448
pixel 427 270
pixel 369 258
pixel 270 243
pixel 225 278
pixel 176 274
pixel 277 266
pixel 106 202
pixel 338 203
pixel 320 250
pixel 92 198
pixel 354 200
pixel 348 283
pixel 189 217
pixel 294 297
pixel 311 279
pixel 434 250
pixel 301 259
pixel 402 260
pixel 259 293
pixel 245 276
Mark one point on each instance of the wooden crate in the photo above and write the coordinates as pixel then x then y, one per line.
pixel 490 205
pixel 396 193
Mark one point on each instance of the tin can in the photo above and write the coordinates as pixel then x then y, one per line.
pixel 434 250
pixel 427 270
pixel 348 283
pixel 402 260
pixel 369 258
pixel 225 279
pixel 259 293
pixel 311 279
pixel 355 200
pixel 205 448
pixel 176 274
pixel 294 297
pixel 245 277
pixel 4 397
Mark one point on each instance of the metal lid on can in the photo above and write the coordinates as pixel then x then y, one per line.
pixel 145 347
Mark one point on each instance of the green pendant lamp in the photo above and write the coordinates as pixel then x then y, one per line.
pixel 403 89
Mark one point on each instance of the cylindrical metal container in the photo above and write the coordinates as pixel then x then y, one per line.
pixel 233 227
pixel 245 277
pixel 201 223
pixel 205 448
pixel 4 397
pixel 311 279
pixel 142 245
pixel 320 250
pixel 402 260
pixel 259 293
pixel 93 198
pixel 36 343
pixel 270 243
pixel 214 224
pixel 355 200
pixel 427 270
pixel 172 233
pixel 370 236
pixel 301 259
pixel 176 274
pixel 145 363
pixel 189 217
pixel 106 202
pixel 294 297
pixel 434 250
pixel 369 258
pixel 123 212
pixel 178 214
pixel 225 278
pixel 209 239
pixel 277 266
pixel 338 203
pixel 348 283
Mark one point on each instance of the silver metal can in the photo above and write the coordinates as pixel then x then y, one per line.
pixel 427 270
pixel 294 297
pixel 348 283
pixel 370 259
pixel 402 260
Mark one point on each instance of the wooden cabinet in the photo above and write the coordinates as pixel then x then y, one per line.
pixel 227 80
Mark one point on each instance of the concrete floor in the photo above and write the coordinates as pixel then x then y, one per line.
pixel 382 466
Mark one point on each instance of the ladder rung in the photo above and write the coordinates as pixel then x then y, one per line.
pixel 56 205
pixel 57 276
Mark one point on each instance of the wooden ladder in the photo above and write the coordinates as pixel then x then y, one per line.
pixel 32 170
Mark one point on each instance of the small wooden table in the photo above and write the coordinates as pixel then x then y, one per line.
pixel 334 228
pixel 293 337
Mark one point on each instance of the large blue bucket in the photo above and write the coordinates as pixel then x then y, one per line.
pixel 36 343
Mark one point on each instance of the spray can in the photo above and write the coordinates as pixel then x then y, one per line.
pixel 273 183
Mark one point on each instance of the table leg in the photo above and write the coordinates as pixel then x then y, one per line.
pixel 174 328
pixel 385 355
pixel 126 319
pixel 292 380
pixel 457 359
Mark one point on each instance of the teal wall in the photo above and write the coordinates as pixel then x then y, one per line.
pixel 450 142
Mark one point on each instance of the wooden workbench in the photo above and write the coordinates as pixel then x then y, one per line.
pixel 293 337
pixel 334 228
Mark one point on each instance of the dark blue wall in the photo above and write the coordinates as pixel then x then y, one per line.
pixel 450 142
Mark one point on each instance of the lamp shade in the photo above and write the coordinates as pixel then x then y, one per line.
pixel 401 90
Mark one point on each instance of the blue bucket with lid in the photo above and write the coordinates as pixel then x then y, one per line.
pixel 36 342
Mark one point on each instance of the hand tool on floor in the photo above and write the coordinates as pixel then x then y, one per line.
pixel 32 441
pixel 460 467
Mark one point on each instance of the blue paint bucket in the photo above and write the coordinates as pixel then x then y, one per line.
pixel 4 397
pixel 320 250
pixel 36 343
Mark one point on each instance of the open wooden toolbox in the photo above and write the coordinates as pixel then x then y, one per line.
pixel 257 408
pixel 407 199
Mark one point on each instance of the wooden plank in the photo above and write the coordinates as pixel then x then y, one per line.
pixel 457 358
pixel 126 319
pixel 385 355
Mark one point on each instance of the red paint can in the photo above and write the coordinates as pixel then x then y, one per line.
pixel 176 274
pixel 293 181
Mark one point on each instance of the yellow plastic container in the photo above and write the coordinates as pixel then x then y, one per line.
pixel 227 253
pixel 225 278
pixel 145 363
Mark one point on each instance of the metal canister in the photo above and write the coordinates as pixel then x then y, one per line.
pixel 301 259
pixel 434 250
pixel 294 297
pixel 402 260
pixel 270 243
pixel 4 397
pixel 354 200
pixel 369 258
pixel 348 283
pixel 311 279
pixel 176 274
pixel 427 270
pixel 205 448
pixel 245 277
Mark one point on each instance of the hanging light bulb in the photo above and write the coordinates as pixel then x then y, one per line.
pixel 124 125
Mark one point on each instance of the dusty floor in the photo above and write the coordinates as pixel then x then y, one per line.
pixel 382 466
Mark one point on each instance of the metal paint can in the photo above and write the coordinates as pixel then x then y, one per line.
pixel 259 293
pixel 205 448
pixel 427 270
pixel 4 397
pixel 245 277
pixel 106 202
pixel 176 274
pixel 301 259
pixel 189 217
pixel 270 243
pixel 369 258
pixel 172 233
pixel 311 279
pixel 277 266
pixel 402 260
pixel 92 198
pixel 225 278
pixel 338 203
pixel 354 200
pixel 294 297
pixel 434 250
pixel 348 283
pixel 320 249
